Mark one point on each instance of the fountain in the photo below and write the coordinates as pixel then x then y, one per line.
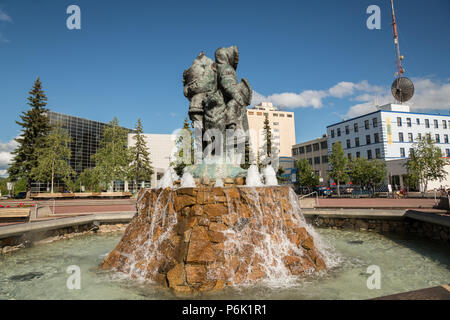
pixel 224 233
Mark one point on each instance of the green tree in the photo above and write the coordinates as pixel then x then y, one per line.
pixel 267 137
pixel 426 163
pixel 90 180
pixel 35 127
pixel 112 160
pixel 338 166
pixel 141 166
pixel 185 142
pixel 305 174
pixel 53 158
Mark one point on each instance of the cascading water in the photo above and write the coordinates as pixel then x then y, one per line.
pixel 204 238
pixel 168 179
pixel 218 183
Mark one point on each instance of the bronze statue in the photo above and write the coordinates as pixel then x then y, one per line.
pixel 217 99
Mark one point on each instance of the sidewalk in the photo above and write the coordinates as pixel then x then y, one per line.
pixel 376 203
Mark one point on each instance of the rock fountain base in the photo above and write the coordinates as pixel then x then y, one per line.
pixel 201 239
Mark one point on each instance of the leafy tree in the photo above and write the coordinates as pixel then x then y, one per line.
pixel 53 158
pixel 367 173
pixel 90 180
pixel 185 142
pixel 112 160
pixel 338 166
pixel 35 127
pixel 426 163
pixel 305 174
pixel 141 166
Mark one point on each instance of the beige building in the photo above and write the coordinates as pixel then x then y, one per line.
pixel 282 124
pixel 161 148
pixel 316 152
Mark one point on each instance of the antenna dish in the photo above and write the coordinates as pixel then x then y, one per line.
pixel 402 89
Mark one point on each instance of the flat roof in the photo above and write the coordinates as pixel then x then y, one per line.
pixel 389 111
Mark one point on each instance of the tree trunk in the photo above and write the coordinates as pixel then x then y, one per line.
pixel 53 177
pixel 28 196
pixel 338 189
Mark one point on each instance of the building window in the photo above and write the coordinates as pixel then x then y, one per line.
pixel 316 147
pixel 375 122
pixel 399 122
pixel 356 142
pixel 418 121
pixel 428 136
pixel 410 137
pixel 308 148
pixel 275 114
pixel 324 145
pixel 378 153
pixel 402 152
pixel 347 130
pixel 436 123
pixel 281 115
pixel 316 160
pixel 438 138
pixel 295 151
pixel 301 150
pixel 338 132
pixel 289 115
pixel 400 136
pixel 368 139
pixel 259 113
pixel 348 144
pixel 419 136
pixel 445 138
pixel 332 133
pixel 376 137
pixel 310 161
pixel 358 154
pixel 411 152
pixel 447 152
pixel 276 123
pixel 251 113
pixel 324 159
pixel 349 156
pixel 366 124
pixel 408 122
pixel 444 124
pixel 369 154
pixel 355 127
pixel 427 123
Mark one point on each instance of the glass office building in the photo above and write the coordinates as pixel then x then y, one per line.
pixel 85 134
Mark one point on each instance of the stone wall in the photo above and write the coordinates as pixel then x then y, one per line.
pixel 397 226
pixel 201 239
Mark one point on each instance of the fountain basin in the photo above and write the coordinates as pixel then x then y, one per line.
pixel 202 239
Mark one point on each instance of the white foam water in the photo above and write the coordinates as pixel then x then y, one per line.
pixel 168 179
pixel 218 183
pixel 253 177
pixel 187 180
pixel 270 177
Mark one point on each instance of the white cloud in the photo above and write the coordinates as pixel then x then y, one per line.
pixel 4 16
pixel 314 98
pixel 429 95
pixel 5 155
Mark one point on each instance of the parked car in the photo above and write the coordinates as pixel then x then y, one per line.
pixel 324 191
pixel 21 195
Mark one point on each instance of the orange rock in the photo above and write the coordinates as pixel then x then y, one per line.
pixel 213 226
pixel 200 252
pixel 183 201
pixel 187 191
pixel 290 260
pixel 308 243
pixel 195 274
pixel 176 275
pixel 199 233
pixel 216 236
pixel 216 209
pixel 197 210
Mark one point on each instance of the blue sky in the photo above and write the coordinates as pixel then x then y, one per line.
pixel 316 58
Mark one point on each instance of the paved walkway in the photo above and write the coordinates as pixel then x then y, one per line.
pixel 376 203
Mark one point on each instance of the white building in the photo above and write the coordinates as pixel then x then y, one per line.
pixel 282 124
pixel 161 148
pixel 389 134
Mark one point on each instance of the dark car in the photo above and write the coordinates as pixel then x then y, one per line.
pixel 324 191
pixel 21 195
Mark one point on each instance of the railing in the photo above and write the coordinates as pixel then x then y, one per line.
pixel 310 194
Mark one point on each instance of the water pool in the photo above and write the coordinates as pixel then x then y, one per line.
pixel 406 263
